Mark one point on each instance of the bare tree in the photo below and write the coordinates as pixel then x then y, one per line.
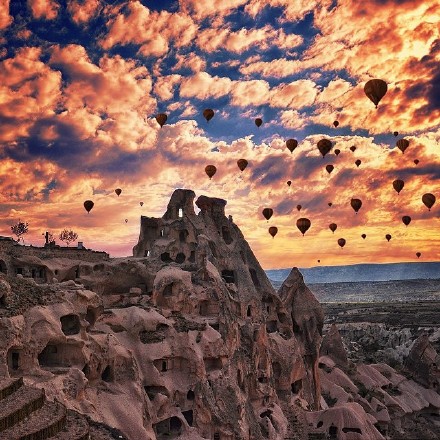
pixel 68 236
pixel 19 229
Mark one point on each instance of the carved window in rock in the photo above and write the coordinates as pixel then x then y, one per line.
pixel 357 430
pixel 13 359
pixel 165 257
pixel 162 233
pixel 19 270
pixel 296 386
pixel 189 416
pixel 107 375
pixel 147 253
pixel 212 364
pixel 180 258
pixel 228 276
pixel 333 432
pixel 183 235
pixel 168 290
pixel 271 326
pixel 190 395
pixel 70 324
pixel 180 213
pixel 216 436
pixel 249 311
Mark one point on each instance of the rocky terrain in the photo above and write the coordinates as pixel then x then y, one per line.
pixel 188 339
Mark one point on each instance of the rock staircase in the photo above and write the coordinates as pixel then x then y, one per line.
pixel 26 414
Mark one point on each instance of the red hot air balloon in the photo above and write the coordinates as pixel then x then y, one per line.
pixel 353 148
pixel 141 203
pixel 88 205
pixel 335 123
pixel 356 204
pixel 358 162
pixel 388 237
pixel 398 185
pixel 330 204
pixel 364 236
pixel 118 191
pixel 208 114
pixel 406 219
pixel 291 144
pixel 258 122
pixel 324 146
pixel 289 182
pixel 333 227
pixel 375 90
pixel 416 161
pixel 273 230
pixel 303 224
pixel 242 164
pixel 329 168
pixel 396 133
pixel 418 254
pixel 267 213
pixel 428 200
pixel 210 170
pixel 402 145
pixel 161 118
pixel 298 207
pixel 337 151
pixel 342 242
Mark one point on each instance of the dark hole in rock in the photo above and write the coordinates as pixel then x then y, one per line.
pixel 13 359
pixel 212 364
pixel 168 290
pixel 226 235
pixel 3 267
pixel 357 430
pixel 107 374
pixel 91 315
pixel 183 235
pixel 175 424
pixel 189 417
pixel 263 379
pixel 86 371
pixel 228 276
pixel 19 271
pixel 320 423
pixel 165 257
pixel 153 390
pixel 266 413
pixel 296 386
pixel 249 311
pixel 190 395
pixel 192 257
pixel 180 258
pixel 216 436
pixel 70 324
pixel 333 432
pixel 271 326
pixel 3 301
pixel 163 366
pixel 56 272
pixel 254 277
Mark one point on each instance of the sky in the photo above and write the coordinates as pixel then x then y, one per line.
pixel 82 81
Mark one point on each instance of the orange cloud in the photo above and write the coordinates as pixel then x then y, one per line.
pixel 5 18
pixel 44 9
pixel 82 11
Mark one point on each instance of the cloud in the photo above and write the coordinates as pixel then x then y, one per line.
pixel 202 85
pixel 5 18
pixel 44 9
pixel 206 8
pixel 83 10
pixel 165 85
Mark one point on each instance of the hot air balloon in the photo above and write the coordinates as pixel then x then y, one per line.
pixel 291 144
pixel 258 122
pixel 319 261
pixel 416 161
pixel 88 205
pixel 210 170
pixel 356 204
pixel 298 207
pixel 303 224
pixel 375 90
pixel 341 242
pixel 333 227
pixel 267 213
pixel 330 204
pixel 396 133
pixel 126 220
pixel 402 145
pixel 364 236
pixel 337 151
pixel 324 146
pixel 118 191
pixel 388 237
pixel 398 185
pixel 335 123
pixel 418 254
pixel 289 182
pixel 353 148
pixel 358 162
pixel 208 114
pixel 242 164
pixel 161 118
pixel 141 203
pixel 406 220
pixel 273 230
pixel 329 168
pixel 428 199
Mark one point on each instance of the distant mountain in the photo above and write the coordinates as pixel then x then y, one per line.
pixel 361 272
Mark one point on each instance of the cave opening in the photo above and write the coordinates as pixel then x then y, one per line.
pixel 70 324
pixel 228 276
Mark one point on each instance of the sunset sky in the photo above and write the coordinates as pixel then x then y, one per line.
pixel 82 81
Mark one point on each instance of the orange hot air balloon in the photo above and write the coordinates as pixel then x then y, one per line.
pixel 291 144
pixel 428 200
pixel 141 203
pixel 333 227
pixel 402 145
pixel 356 204
pixel 330 204
pixel 337 151
pixel 329 168
pixel 388 237
pixel 88 205
pixel 210 170
pixel 364 236
pixel 303 224
pixel 396 133
pixel 267 213
pixel 289 182
pixel 375 89
pixel 298 207
pixel 258 122
pixel 273 230
pixel 353 148
pixel 118 191
pixel 398 185
pixel 342 242
pixel 208 114
pixel 406 219
pixel 418 254
pixel 324 146
pixel 335 123
pixel 416 161
pixel 242 164
pixel 358 162
pixel 161 118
